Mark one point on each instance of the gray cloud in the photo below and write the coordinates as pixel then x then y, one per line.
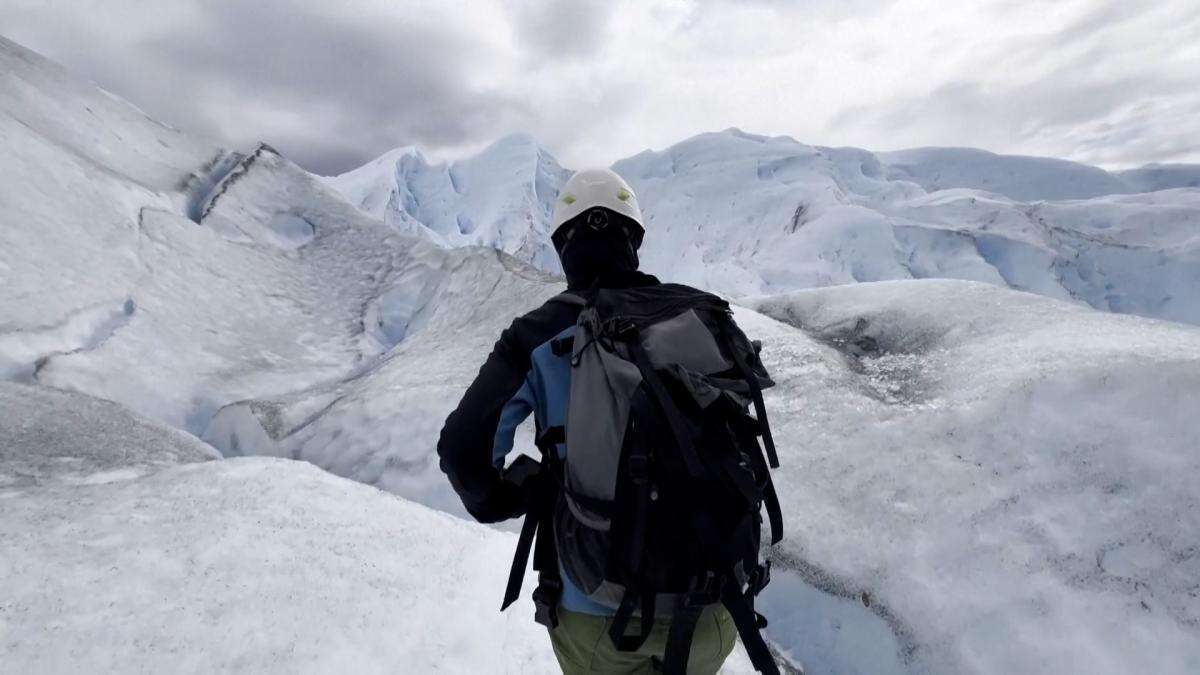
pixel 329 93
pixel 333 85
pixel 364 88
pixel 1080 83
pixel 974 109
pixel 563 30
pixel 1103 16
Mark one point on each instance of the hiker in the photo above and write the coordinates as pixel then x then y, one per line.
pixel 645 507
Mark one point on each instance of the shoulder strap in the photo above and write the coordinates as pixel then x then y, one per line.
pixel 760 408
pixel 541 490
pixel 674 418
pixel 569 298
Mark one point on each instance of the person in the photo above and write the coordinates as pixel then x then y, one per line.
pixel 597 231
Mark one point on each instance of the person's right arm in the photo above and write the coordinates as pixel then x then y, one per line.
pixel 468 438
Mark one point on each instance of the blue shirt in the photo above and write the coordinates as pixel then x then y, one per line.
pixel 545 392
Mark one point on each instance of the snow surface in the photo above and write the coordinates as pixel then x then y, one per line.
pixel 48 437
pixel 222 311
pixel 382 425
pixel 1010 479
pixel 965 457
pixel 246 565
pixel 78 166
pixel 111 289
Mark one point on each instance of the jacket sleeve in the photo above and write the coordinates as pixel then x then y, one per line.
pixel 466 445
pixel 511 416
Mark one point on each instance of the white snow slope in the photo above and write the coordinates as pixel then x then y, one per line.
pixel 748 214
pixel 252 565
pixel 111 289
pixel 1009 479
pixel 49 436
pixel 975 480
pixel 247 565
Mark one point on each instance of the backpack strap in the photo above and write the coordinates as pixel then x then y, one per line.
pixel 749 626
pixel 620 620
pixel 774 512
pixel 674 418
pixel 637 508
pixel 760 408
pixel 537 537
pixel 721 584
pixel 569 298
pixel 520 561
pixel 770 496
pixel 683 624
pixel 740 605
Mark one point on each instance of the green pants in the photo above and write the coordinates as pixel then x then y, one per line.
pixel 582 645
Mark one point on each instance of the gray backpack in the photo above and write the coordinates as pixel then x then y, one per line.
pixel 655 507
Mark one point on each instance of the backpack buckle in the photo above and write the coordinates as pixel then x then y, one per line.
pixel 562 346
pixel 759 578
pixel 625 330
pixel 545 601
pixel 639 468
pixel 706 592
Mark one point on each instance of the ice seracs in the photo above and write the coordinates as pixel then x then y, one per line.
pixel 749 215
pixel 502 197
pixel 745 214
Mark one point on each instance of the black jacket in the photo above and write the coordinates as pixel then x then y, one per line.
pixel 465 446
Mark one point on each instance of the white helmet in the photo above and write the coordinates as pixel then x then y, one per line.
pixel 595 187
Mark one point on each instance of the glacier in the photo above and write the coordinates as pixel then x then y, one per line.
pixel 985 418
pixel 745 215
pixel 502 197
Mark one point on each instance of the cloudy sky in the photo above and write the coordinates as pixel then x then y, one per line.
pixel 333 84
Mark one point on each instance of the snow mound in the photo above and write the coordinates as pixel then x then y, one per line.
pixel 49 437
pixel 381 425
pixel 1154 177
pixel 79 164
pixel 1025 179
pixel 750 215
pixel 1029 179
pixel 502 197
pixel 253 565
pixel 244 313
pixel 256 565
pixel 149 269
pixel 957 459
pixel 1006 480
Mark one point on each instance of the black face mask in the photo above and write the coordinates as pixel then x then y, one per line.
pixel 595 242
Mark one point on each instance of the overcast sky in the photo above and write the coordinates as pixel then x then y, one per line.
pixel 334 84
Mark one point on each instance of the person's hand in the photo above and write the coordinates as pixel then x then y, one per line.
pixel 502 501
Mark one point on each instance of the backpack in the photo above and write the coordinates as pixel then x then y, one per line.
pixel 655 509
